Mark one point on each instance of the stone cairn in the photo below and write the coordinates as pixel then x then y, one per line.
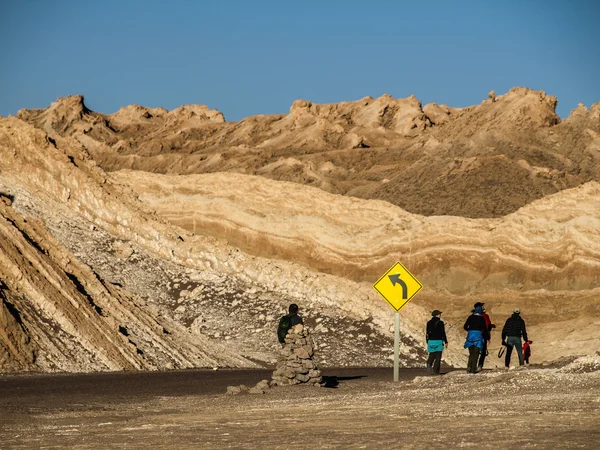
pixel 295 364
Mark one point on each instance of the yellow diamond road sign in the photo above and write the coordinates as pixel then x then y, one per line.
pixel 398 286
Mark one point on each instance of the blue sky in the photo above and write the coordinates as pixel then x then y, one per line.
pixel 257 57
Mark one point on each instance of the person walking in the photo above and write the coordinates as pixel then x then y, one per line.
pixel 490 326
pixel 512 331
pixel 435 337
pixel 477 334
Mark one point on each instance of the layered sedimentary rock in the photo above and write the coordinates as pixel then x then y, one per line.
pixel 58 315
pixel 544 258
pixel 496 202
pixel 550 244
pixel 54 181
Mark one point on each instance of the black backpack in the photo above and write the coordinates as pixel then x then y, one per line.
pixel 285 323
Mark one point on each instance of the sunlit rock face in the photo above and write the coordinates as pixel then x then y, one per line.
pixel 189 259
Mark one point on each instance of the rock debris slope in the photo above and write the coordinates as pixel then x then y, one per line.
pixel 58 315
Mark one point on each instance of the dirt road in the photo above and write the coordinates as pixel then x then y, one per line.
pixel 542 408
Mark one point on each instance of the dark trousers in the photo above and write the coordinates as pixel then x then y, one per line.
pixel 483 354
pixel 473 357
pixel 434 360
pixel 513 341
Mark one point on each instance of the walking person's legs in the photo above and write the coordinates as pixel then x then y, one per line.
pixel 509 349
pixel 430 361
pixel 516 342
pixel 482 356
pixel 436 363
pixel 473 356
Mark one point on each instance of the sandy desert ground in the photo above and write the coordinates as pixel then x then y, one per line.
pixel 536 407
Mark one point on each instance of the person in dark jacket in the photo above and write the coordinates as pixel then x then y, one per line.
pixel 490 326
pixel 513 329
pixel 477 334
pixel 288 321
pixel 435 337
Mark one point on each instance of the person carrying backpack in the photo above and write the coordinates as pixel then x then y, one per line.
pixel 513 329
pixel 436 342
pixel 288 321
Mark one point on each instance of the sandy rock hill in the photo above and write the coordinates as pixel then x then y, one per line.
pixel 202 253
pixel 544 258
pixel 96 278
pixel 486 160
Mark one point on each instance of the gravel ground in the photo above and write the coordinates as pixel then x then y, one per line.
pixel 533 407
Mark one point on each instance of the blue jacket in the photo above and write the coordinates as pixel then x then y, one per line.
pixel 474 337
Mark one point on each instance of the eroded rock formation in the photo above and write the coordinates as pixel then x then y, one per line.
pixel 496 202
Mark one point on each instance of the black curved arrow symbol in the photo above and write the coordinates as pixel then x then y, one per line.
pixel 396 279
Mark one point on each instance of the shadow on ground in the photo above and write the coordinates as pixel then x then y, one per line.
pixel 334 381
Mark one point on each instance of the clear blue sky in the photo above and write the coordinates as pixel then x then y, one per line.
pixel 257 57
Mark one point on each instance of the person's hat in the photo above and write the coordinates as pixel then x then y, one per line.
pixel 478 304
pixel 517 310
pixel 435 312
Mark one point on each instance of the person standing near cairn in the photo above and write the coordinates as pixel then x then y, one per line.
pixel 513 329
pixel 435 337
pixel 288 321
pixel 477 334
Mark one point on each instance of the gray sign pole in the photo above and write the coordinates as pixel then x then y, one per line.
pixel 396 345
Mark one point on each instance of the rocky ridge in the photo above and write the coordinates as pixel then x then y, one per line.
pixel 486 160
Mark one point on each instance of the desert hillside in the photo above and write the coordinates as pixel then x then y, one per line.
pixel 211 303
pixel 544 258
pixel 155 239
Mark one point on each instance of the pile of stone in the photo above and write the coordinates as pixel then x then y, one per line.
pixel 295 364
pixel 261 388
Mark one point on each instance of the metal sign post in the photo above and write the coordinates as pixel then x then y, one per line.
pixel 397 286
pixel 396 346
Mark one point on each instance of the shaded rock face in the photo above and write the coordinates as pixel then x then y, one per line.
pixel 296 364
pixel 56 314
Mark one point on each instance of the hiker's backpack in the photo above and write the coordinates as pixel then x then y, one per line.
pixel 285 323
